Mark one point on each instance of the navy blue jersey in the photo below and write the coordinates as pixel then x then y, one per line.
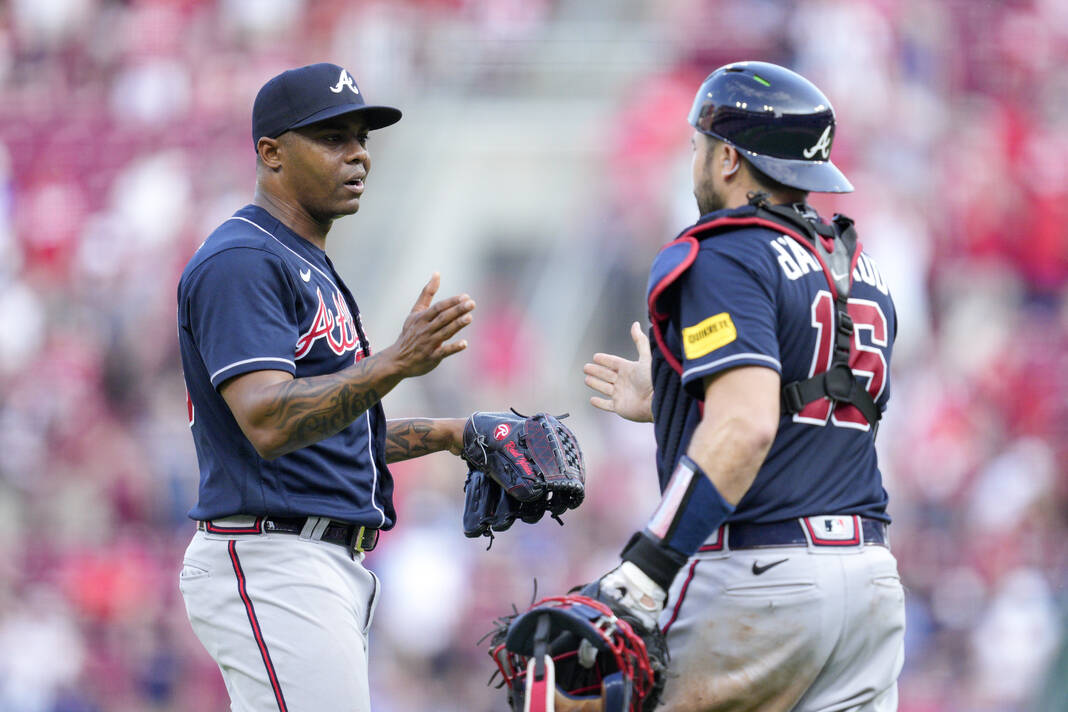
pixel 753 296
pixel 256 296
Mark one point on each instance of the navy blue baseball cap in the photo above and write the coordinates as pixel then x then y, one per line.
pixel 302 96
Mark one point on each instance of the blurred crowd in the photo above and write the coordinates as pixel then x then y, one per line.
pixel 124 138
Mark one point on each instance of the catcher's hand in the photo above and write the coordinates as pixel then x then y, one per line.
pixel 521 468
pixel 631 594
pixel 626 385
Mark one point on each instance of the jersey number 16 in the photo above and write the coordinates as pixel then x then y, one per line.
pixel 865 361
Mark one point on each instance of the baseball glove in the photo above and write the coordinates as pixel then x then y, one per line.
pixel 573 654
pixel 520 468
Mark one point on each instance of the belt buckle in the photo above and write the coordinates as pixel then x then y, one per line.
pixel 355 543
pixel 356 540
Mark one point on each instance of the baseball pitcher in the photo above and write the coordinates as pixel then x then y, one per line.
pixel 285 411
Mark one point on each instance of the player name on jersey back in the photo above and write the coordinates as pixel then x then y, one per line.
pixel 796 262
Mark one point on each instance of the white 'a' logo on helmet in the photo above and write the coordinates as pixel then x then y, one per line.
pixel 822 146
pixel 344 81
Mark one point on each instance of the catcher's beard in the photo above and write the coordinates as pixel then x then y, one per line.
pixel 709 200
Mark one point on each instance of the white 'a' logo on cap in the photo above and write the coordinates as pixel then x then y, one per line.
pixel 822 146
pixel 344 81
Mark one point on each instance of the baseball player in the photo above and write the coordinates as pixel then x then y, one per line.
pixel 767 562
pixel 284 407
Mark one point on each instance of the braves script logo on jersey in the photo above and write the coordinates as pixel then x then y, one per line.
pixel 502 431
pixel 344 81
pixel 324 325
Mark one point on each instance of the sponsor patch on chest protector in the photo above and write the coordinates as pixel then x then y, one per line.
pixel 707 336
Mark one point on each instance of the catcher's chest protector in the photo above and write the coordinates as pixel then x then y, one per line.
pixel 836 248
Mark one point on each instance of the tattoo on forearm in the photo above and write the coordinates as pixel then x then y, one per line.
pixel 410 438
pixel 311 409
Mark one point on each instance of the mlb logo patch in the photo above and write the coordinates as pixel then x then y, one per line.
pixel 834 525
pixel 833 530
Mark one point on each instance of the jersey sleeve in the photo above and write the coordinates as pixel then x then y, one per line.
pixel 726 318
pixel 240 308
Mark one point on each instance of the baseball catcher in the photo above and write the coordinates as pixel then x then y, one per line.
pixel 520 468
pixel 574 654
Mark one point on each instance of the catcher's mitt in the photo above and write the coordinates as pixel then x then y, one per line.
pixel 573 654
pixel 521 468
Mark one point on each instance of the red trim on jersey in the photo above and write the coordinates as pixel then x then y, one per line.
pixel 834 542
pixel 717 545
pixel 254 622
pixel 682 595
pixel 256 528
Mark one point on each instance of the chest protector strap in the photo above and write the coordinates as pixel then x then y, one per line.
pixel 837 249
pixel 836 246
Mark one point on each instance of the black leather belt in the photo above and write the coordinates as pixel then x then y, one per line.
pixel 793 533
pixel 355 538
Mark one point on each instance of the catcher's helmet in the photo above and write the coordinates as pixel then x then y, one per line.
pixel 577 647
pixel 778 119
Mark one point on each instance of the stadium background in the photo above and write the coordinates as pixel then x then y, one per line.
pixel 542 159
